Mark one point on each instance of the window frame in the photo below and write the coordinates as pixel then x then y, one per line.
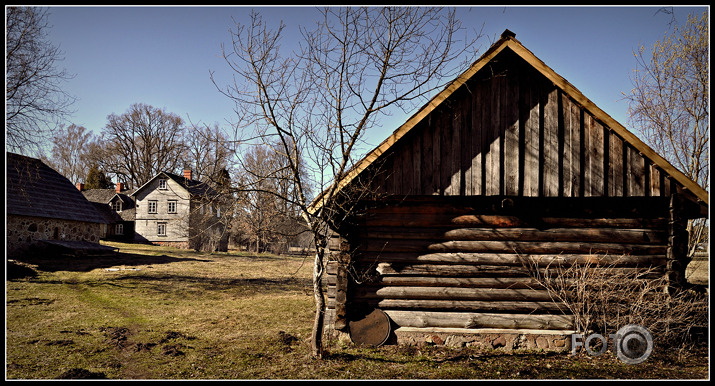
pixel 115 204
pixel 161 226
pixel 162 184
pixel 119 229
pixel 152 204
pixel 170 204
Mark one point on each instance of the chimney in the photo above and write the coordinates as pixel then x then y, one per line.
pixel 187 173
pixel 80 186
pixel 120 187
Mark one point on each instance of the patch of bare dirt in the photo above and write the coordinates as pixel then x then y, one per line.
pixel 81 374
pixel 116 336
pixel 172 335
pixel 173 350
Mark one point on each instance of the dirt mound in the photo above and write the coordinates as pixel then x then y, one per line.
pixel 171 335
pixel 286 339
pixel 173 350
pixel 116 336
pixel 81 374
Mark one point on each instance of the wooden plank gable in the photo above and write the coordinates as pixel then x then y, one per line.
pixel 510 126
pixel 515 134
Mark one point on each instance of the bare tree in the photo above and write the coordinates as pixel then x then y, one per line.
pixel 34 100
pixel 206 222
pixel 316 104
pixel 260 207
pixel 141 143
pixel 70 152
pixel 670 102
pixel 207 152
pixel 268 215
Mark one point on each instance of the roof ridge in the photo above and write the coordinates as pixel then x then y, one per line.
pixel 195 187
pixel 508 40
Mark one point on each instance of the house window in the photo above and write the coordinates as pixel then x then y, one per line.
pixel 117 206
pixel 119 229
pixel 172 206
pixel 152 206
pixel 162 184
pixel 161 229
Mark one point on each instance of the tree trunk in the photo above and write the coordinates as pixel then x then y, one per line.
pixel 317 337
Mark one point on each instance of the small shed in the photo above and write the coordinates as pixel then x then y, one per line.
pixel 509 160
pixel 45 208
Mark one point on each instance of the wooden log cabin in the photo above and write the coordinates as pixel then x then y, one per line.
pixel 508 161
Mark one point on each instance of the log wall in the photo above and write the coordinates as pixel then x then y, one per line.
pixel 508 168
pixel 460 262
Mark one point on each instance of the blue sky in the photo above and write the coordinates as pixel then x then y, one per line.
pixel 162 56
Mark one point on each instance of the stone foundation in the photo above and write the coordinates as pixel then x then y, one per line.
pixel 500 339
pixel 25 232
pixel 486 338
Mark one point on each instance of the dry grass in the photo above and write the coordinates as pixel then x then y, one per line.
pixel 162 313
pixel 603 297
pixel 225 302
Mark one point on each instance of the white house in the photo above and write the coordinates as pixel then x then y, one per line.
pixel 179 211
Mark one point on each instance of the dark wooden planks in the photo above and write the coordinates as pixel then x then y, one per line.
pixel 514 133
pixel 476 168
pixel 616 167
pixel 531 138
pixel 570 172
pixel 550 141
pixel 510 117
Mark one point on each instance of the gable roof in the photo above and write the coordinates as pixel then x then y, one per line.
pixel 509 42
pixel 195 188
pixel 34 189
pixel 101 199
pixel 105 196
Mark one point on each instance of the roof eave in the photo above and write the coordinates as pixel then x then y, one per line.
pixel 400 132
pixel 509 41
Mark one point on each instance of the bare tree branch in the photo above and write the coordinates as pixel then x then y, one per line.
pixel 35 102
pixel 314 106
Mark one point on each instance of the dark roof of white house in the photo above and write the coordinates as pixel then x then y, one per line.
pixel 35 189
pixel 105 196
pixel 102 197
pixel 194 187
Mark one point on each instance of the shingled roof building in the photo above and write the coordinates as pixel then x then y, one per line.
pixel 44 207
pixel 117 207
pixel 179 211
pixel 507 170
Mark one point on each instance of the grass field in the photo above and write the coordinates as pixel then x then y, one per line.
pixel 162 313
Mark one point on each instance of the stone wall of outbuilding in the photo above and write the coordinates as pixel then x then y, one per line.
pixel 23 233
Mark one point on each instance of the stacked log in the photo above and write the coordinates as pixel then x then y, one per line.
pixel 440 264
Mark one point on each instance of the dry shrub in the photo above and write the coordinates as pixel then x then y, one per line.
pixel 603 297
